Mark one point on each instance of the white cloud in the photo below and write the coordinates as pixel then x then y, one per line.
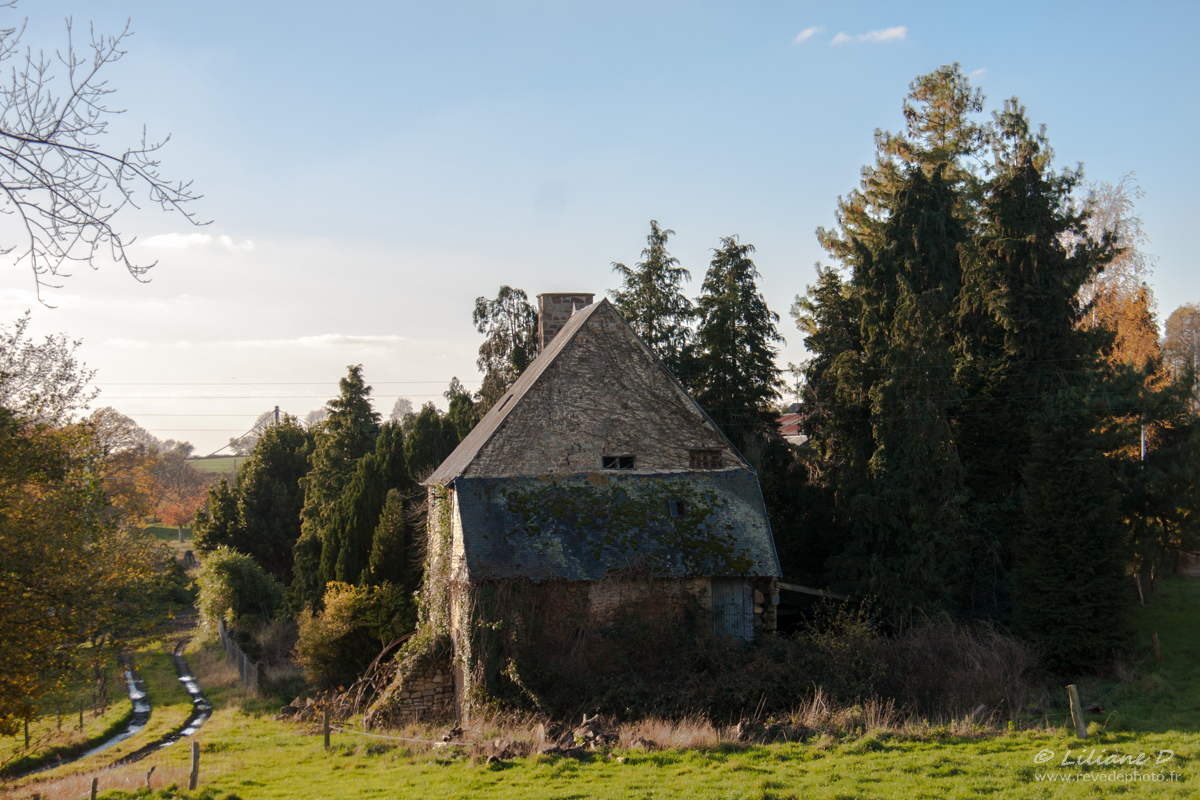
pixel 977 74
pixel 184 241
pixel 807 34
pixel 229 244
pixel 179 241
pixel 882 35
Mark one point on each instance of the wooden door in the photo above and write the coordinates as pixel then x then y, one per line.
pixel 733 608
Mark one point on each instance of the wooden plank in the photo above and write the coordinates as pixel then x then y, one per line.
pixel 792 587
pixel 1077 712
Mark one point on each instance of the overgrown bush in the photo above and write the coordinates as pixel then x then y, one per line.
pixel 233 587
pixel 644 664
pixel 337 643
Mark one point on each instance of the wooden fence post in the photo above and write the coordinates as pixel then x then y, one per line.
pixel 1157 652
pixel 95 786
pixel 1077 712
pixel 325 725
pixel 195 774
pixel 81 713
pixel 26 734
pixel 58 712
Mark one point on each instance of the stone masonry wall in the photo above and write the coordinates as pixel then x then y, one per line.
pixel 555 309
pixel 666 598
pixel 604 395
pixel 428 693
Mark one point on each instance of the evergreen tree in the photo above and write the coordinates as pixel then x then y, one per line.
pixel 939 134
pixel 1069 582
pixel 220 523
pixel 347 543
pixel 510 325
pixel 736 379
pixel 392 548
pixel 463 412
pixel 260 516
pixel 652 301
pixel 347 434
pixel 907 544
pixel 433 437
pixel 1023 339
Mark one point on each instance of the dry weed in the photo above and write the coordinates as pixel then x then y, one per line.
pixel 689 733
pixel 211 670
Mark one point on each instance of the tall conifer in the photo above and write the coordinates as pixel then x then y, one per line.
pixel 652 301
pixel 736 379
pixel 347 546
pixel 346 436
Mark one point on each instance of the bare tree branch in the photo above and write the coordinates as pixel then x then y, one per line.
pixel 55 179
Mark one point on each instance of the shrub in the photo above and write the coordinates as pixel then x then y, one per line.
pixel 337 643
pixel 538 656
pixel 233 586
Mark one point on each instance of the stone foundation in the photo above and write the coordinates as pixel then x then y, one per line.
pixel 427 693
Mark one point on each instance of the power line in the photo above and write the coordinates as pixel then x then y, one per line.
pixel 267 397
pixel 281 383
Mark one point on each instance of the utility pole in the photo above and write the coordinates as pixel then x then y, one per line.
pixel 276 415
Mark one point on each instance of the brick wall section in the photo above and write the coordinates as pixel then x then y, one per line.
pixel 603 395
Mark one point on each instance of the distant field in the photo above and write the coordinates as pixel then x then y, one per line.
pixel 169 535
pixel 219 464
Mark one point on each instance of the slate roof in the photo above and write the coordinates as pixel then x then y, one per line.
pixel 583 527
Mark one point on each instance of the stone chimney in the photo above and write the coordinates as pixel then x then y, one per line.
pixel 554 310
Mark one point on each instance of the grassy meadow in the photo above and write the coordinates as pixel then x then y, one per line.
pixel 220 464
pixel 169 536
pixel 1150 707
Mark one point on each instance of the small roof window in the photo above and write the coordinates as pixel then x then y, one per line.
pixel 704 459
pixel 617 462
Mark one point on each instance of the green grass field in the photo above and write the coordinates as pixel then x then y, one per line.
pixel 217 463
pixel 169 535
pixel 51 736
pixel 1155 710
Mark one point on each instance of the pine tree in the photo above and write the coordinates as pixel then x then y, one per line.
pixel 736 379
pixel 652 301
pixel 939 134
pixel 347 435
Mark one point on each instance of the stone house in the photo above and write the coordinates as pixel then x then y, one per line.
pixel 598 482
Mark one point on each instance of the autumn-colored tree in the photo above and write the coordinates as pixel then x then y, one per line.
pixel 68 572
pixel 1129 315
pixel 1181 345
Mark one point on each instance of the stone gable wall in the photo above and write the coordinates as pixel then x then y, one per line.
pixel 603 395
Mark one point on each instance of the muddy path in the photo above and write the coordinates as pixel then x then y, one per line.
pixel 201 711
pixel 138 719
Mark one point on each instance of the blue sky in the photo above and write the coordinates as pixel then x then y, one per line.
pixel 370 170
